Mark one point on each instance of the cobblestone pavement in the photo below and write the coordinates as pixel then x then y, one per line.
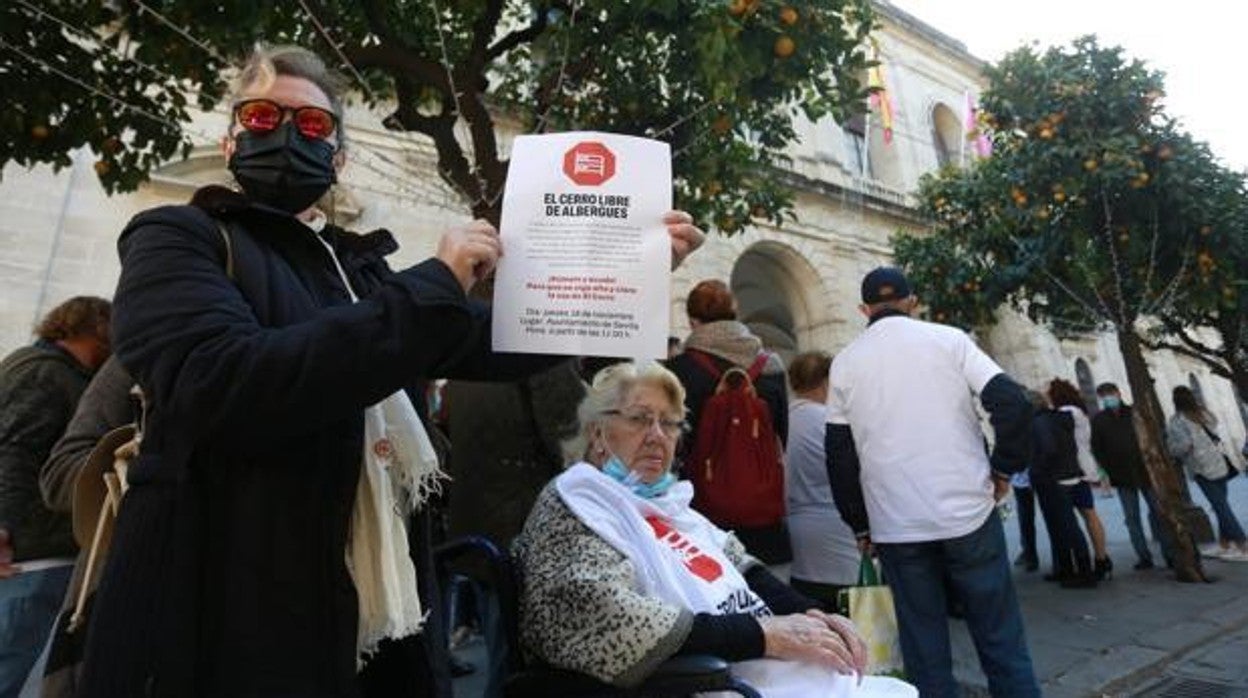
pixel 1123 637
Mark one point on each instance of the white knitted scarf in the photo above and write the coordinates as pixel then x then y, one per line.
pixel 399 473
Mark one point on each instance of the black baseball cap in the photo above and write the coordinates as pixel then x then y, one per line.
pixel 884 284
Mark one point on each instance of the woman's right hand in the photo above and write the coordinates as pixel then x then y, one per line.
pixel 471 251
pixel 805 638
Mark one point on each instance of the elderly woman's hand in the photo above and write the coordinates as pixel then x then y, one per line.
pixel 686 237
pixel 845 628
pixel 471 251
pixel 813 639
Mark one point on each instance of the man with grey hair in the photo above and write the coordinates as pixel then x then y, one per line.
pixel 911 477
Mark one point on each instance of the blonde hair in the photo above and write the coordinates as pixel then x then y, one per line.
pixel 266 63
pixel 608 390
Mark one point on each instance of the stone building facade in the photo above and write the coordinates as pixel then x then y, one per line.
pixel 797 285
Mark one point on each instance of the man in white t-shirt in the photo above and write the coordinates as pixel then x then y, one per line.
pixel 911 475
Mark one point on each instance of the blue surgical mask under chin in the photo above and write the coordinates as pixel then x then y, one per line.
pixel 616 470
pixel 1110 403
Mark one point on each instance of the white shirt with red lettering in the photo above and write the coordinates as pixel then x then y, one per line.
pixel 679 557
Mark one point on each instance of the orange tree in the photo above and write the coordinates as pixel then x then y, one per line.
pixel 1093 213
pixel 720 81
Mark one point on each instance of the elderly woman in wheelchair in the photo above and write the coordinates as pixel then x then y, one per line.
pixel 621 575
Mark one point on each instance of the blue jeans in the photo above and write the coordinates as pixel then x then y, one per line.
pixel 1229 530
pixel 978 572
pixel 29 603
pixel 1130 499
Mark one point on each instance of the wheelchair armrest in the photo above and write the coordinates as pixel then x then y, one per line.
pixel 695 673
pixel 678 676
pixel 692 665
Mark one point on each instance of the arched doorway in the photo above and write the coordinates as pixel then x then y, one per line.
pixel 1087 386
pixel 781 298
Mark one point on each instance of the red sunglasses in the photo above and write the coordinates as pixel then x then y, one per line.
pixel 264 115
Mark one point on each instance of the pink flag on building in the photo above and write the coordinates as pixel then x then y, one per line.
pixel 981 145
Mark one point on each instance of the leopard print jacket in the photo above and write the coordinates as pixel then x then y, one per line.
pixel 580 608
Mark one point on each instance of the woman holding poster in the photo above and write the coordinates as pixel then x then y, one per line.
pixel 620 574
pixel 274 539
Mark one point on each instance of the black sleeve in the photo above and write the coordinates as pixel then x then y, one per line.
pixel 194 342
pixel 479 362
pixel 781 598
pixel 841 460
pixel 778 403
pixel 104 406
pixel 734 637
pixel 1010 415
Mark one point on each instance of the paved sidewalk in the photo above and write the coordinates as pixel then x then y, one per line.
pixel 1104 641
pixel 1218 669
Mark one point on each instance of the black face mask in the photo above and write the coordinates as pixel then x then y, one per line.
pixel 283 168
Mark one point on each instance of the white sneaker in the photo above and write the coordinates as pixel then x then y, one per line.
pixel 1213 550
pixel 1234 555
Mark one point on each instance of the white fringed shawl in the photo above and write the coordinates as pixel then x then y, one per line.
pixel 399 473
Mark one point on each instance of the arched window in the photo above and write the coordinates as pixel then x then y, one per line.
pixel 856 159
pixel 1087 386
pixel 1194 383
pixel 946 135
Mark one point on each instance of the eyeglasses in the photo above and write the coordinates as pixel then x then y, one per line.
pixel 264 115
pixel 644 421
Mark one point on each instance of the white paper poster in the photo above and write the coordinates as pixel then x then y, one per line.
pixel 586 266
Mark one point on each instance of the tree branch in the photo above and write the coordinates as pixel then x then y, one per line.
pixel 1180 332
pixel 377 24
pixel 1216 367
pixel 409 117
pixel 399 61
pixel 521 36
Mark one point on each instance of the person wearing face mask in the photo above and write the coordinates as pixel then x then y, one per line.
pixel 273 540
pixel 1118 453
pixel 620 573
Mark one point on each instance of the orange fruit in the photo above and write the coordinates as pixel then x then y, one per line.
pixel 785 46
pixel 788 16
pixel 1090 164
pixel 736 8
pixel 39 132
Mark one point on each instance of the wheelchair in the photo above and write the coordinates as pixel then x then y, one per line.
pixel 678 677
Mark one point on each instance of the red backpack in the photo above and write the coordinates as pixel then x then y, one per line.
pixel 736 465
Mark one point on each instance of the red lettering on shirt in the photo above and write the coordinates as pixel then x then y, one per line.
pixel 702 566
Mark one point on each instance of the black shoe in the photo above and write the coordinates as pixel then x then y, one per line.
pixel 1027 562
pixel 1144 565
pixel 1104 569
pixel 461 668
pixel 1086 580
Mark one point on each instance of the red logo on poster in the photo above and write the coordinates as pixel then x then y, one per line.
pixel 589 163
